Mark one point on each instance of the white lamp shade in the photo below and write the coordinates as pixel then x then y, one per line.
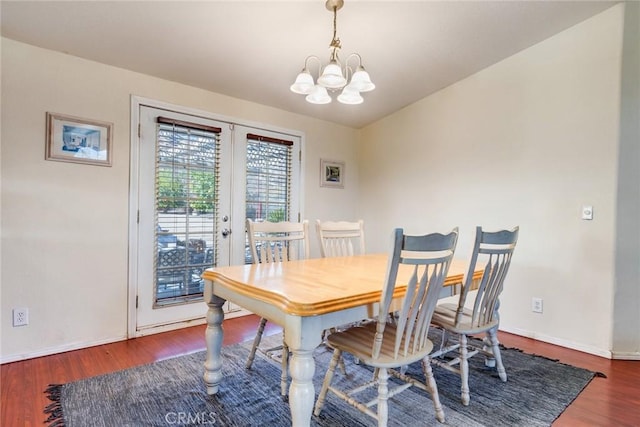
pixel 332 77
pixel 319 96
pixel 361 81
pixel 304 83
pixel 350 96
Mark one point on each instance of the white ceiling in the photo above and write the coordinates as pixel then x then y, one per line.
pixel 253 50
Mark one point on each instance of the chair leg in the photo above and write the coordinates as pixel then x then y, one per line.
pixel 444 339
pixel 383 397
pixel 327 382
pixel 489 360
pixel 433 389
pixel 256 343
pixel 343 368
pixel 464 370
pixel 495 349
pixel 325 334
pixel 283 374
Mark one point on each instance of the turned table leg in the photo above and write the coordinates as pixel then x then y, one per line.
pixel 302 335
pixel 213 337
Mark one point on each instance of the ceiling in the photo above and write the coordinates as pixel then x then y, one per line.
pixel 253 50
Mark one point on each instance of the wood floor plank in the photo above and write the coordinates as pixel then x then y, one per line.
pixel 610 401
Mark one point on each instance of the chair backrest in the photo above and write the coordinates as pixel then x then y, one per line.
pixel 492 251
pixel 429 257
pixel 340 238
pixel 278 241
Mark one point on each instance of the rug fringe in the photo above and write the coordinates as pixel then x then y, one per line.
pixel 54 409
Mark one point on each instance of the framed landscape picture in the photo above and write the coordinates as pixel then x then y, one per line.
pixel 331 173
pixel 72 139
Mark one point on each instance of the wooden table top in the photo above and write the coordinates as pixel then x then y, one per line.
pixel 320 285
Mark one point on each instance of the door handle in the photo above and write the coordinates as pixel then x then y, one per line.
pixel 225 232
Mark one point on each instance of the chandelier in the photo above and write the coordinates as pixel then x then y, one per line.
pixel 334 77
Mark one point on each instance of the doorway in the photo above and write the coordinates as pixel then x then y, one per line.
pixel 195 180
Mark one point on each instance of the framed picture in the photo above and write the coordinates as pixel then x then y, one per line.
pixel 331 173
pixel 72 139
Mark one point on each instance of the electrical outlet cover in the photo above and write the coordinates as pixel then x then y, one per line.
pixel 536 305
pixel 20 316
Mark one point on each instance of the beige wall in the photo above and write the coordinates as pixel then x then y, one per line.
pixel 64 225
pixel 528 142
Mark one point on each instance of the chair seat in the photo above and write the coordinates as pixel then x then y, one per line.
pixel 357 341
pixel 454 299
pixel 445 315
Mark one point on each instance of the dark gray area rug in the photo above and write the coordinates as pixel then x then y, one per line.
pixel 172 393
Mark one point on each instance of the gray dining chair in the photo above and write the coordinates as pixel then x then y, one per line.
pixel 388 346
pixel 275 242
pixel 476 311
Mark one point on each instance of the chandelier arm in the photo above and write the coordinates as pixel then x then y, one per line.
pixel 357 55
pixel 308 58
pixel 348 71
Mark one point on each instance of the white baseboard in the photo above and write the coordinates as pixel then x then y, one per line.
pixel 59 349
pixel 85 344
pixel 156 329
pixel 560 342
pixel 626 355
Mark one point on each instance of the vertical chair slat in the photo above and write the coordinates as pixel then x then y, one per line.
pixel 340 238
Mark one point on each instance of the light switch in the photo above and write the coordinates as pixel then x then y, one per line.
pixel 587 212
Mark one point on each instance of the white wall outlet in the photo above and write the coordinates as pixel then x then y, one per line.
pixel 536 305
pixel 587 212
pixel 20 316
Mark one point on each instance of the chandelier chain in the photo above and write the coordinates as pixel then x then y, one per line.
pixel 335 42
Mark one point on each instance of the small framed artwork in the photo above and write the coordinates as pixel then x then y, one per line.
pixel 331 173
pixel 72 139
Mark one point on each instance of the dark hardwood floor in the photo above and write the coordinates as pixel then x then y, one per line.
pixel 610 401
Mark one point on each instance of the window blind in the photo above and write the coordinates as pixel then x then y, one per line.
pixel 187 170
pixel 268 178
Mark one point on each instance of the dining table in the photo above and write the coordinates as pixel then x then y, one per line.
pixel 304 297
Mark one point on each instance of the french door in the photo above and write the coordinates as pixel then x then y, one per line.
pixel 198 179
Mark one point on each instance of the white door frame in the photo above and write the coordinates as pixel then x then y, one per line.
pixel 136 102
